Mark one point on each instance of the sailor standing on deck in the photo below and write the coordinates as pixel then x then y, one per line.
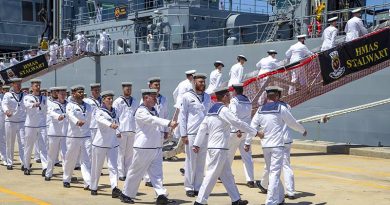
pixel 355 27
pixel 194 106
pixel 217 125
pixel 15 116
pixel 147 150
pixel 329 35
pixel 35 125
pixel 13 60
pixel 105 144
pixel 2 65
pixel 58 128
pixel 237 71
pixel 241 107
pixel 125 107
pixel 78 141
pixel 273 117
pixel 53 51
pixel 215 77
pixel 266 65
pixel 67 47
pixel 95 101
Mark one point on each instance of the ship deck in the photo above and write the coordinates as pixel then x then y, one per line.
pixel 320 179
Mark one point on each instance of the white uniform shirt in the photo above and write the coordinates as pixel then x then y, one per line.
pixel 35 116
pixel 192 112
pixel 241 107
pixel 56 127
pixel 106 137
pixel 329 37
pixel 26 57
pixel 53 49
pixel 286 130
pixel 297 52
pixel 267 64
pixel 273 117
pixel 94 104
pixel 182 88
pixel 13 61
pixel 2 66
pixel 125 110
pixel 1 110
pixel 236 74
pixel 217 125
pixel 148 135
pixel 14 103
pixel 354 29
pixel 161 108
pixel 76 112
pixel 215 81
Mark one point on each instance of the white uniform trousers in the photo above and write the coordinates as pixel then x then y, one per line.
pixel 56 143
pixel 125 154
pixel 93 134
pixel 274 160
pixel 3 153
pixel 246 157
pixel 218 165
pixel 98 156
pixel 76 147
pixel 36 151
pixel 145 161
pixel 194 165
pixel 13 130
pixel 35 134
pixel 52 60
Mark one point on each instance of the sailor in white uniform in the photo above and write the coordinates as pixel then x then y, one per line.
pixel 78 141
pixel 183 87
pixel 3 155
pixel 95 101
pixel 147 150
pixel 67 47
pixel 53 51
pixel 237 71
pixel 266 65
pixel 355 27
pixel 2 65
pixel 103 42
pixel 15 116
pixel 105 144
pixel 125 107
pixel 58 128
pixel 35 125
pixel 217 125
pixel 81 43
pixel 272 118
pixel 329 35
pixel 241 107
pixel 215 77
pixel 13 60
pixel 195 104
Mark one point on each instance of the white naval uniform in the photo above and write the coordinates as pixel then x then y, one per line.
pixel 56 133
pixel 273 117
pixel 103 43
pixel 147 152
pixel 329 38
pixel 82 44
pixel 125 109
pixel 78 141
pixel 2 66
pixel 67 52
pixel 2 134
pixel 35 128
pixel 217 125
pixel 13 62
pixel 215 81
pixel 105 144
pixel 354 29
pixel 95 104
pixel 182 88
pixel 192 112
pixel 53 51
pixel 236 74
pixel 14 125
pixel 266 65
pixel 241 107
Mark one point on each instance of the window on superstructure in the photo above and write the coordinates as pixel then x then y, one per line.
pixel 40 8
pixel 27 11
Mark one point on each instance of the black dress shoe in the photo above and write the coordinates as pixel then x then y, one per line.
pixel 262 189
pixel 47 178
pixel 66 184
pixel 9 167
pixel 43 173
pixel 122 178
pixel 149 184
pixel 126 199
pixel 58 164
pixel 281 203
pixel 163 200
pixel 94 192
pixel 290 197
pixel 197 203
pixel 240 202
pixel 116 193
pixel 196 193
pixel 87 188
pixel 182 171
pixel 38 161
pixel 190 193
pixel 77 168
pixel 250 184
pixel 22 168
pixel 26 172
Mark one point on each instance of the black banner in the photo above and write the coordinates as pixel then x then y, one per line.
pixel 24 69
pixel 120 12
pixel 355 56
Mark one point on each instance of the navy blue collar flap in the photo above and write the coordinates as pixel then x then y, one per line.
pixel 215 109
pixel 272 107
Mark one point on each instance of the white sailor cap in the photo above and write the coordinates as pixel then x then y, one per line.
pixel 333 19
pixel 107 93
pixel 148 91
pixel 242 57
pixel 200 75
pixel 53 88
pixel 77 87
pixel 127 84
pixel 301 36
pixel 35 81
pixel 154 79
pixel 217 63
pixel 94 85
pixel 6 87
pixel 61 88
pixel 272 52
pixel 356 10
pixel 238 85
pixel 25 87
pixel 14 80
pixel 189 72
pixel 44 90
pixel 271 89
pixel 221 90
